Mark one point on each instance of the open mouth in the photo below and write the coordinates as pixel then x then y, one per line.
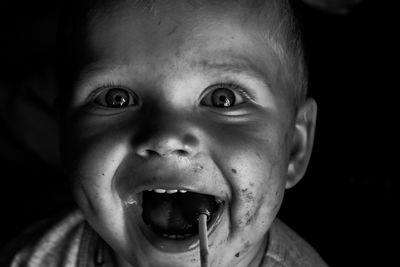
pixel 173 214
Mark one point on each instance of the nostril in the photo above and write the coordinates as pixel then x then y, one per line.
pixel 147 153
pixel 181 152
pixel 151 153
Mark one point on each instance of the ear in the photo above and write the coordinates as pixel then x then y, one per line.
pixel 302 142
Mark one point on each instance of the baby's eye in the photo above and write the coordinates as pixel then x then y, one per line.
pixel 222 97
pixel 116 98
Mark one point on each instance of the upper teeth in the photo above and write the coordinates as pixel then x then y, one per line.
pixel 170 191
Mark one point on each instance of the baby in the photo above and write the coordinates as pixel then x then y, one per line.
pixel 168 108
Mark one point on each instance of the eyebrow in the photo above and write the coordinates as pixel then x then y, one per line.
pixel 95 70
pixel 99 68
pixel 237 66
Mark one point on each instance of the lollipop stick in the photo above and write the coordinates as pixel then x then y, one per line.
pixel 203 240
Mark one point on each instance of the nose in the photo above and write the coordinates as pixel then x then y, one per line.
pixel 168 145
pixel 168 138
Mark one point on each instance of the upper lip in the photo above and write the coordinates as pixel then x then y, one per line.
pixel 130 183
pixel 199 175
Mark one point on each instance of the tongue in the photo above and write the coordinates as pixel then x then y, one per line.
pixel 175 213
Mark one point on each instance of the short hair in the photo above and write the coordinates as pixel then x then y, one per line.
pixel 286 38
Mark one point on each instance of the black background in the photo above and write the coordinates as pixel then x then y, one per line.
pixel 344 206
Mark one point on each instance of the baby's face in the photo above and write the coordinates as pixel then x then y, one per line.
pixel 188 99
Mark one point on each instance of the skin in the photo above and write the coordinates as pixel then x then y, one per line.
pixel 246 154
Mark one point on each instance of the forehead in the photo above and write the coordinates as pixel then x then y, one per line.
pixel 205 34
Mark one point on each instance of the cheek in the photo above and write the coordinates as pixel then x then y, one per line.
pixel 254 159
pixel 93 147
pixel 252 154
pixel 91 160
pixel 94 158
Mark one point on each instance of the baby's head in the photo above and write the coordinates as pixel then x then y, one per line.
pixel 173 105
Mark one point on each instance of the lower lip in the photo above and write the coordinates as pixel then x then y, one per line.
pixel 172 245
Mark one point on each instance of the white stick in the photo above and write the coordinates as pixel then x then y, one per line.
pixel 203 240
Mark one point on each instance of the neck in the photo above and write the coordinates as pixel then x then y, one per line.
pixel 257 257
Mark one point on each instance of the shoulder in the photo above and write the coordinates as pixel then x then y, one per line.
pixel 51 242
pixel 287 249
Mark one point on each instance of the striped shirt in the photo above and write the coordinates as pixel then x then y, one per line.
pixel 71 242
